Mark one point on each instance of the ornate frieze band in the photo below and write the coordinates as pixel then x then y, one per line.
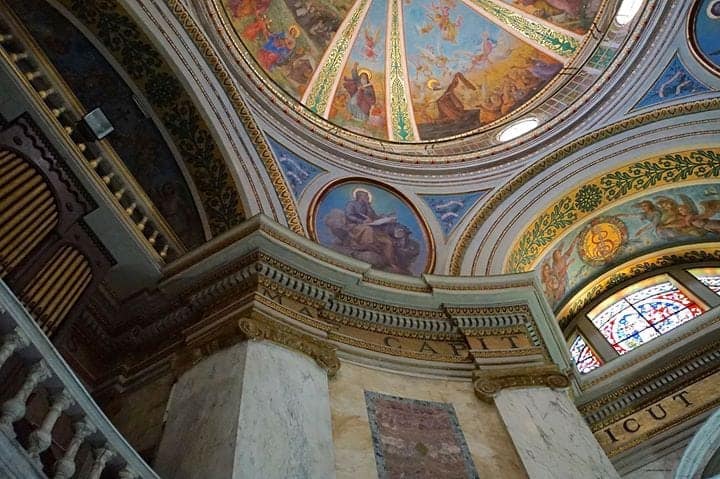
pixel 259 142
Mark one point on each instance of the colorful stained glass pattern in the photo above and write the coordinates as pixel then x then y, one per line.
pixel 585 358
pixel 710 277
pixel 636 318
pixel 712 282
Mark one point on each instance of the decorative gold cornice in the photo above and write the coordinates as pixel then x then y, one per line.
pixel 488 382
pixel 505 353
pixel 335 318
pixel 588 408
pixel 489 206
pixel 400 353
pixel 256 329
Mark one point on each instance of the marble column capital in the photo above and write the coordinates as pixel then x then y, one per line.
pixel 489 381
pixel 256 329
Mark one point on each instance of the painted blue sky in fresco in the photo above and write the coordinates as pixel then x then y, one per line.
pixel 450 209
pixel 675 82
pixel 298 172
pixel 437 52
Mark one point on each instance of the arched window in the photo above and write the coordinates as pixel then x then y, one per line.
pixel 710 277
pixel 640 312
pixel 585 358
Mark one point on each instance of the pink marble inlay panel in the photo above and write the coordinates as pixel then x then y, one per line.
pixel 417 439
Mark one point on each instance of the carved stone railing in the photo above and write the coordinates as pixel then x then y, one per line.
pixel 22 341
pixel 99 162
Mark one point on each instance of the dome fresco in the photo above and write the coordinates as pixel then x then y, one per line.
pixel 412 70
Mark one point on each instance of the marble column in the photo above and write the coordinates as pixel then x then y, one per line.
pixel 550 435
pixel 255 409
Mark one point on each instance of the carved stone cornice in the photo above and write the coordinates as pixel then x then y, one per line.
pixel 492 324
pixel 490 381
pixel 256 329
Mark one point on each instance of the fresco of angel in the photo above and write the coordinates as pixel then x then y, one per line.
pixel 671 219
pixel 438 15
pixel 370 37
pixel 554 271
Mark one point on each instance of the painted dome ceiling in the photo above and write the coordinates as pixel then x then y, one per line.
pixel 413 70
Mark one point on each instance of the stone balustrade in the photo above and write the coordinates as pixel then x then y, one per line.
pixel 22 342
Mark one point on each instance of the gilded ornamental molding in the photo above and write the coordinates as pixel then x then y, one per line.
pixel 488 382
pixel 323 354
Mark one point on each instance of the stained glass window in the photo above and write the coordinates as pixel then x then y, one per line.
pixel 710 277
pixel 585 358
pixel 642 312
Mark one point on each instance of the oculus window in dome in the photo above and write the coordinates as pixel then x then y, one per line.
pixel 412 70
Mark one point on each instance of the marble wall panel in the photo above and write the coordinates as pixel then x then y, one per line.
pixel 661 468
pixel 285 429
pixel 551 436
pixel 488 442
pixel 254 410
pixel 415 438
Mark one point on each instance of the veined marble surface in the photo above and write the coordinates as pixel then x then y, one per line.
pixel 550 435
pixel 285 430
pixel 254 410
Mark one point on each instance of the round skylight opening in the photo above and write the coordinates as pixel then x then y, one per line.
pixel 627 10
pixel 518 129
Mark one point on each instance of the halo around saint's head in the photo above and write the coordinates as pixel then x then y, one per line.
pixel 366 72
pixel 356 190
pixel 294 31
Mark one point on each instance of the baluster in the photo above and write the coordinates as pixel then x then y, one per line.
pixel 65 467
pixel 102 456
pixel 153 237
pixel 14 409
pixel 131 209
pixel 16 57
pixel 41 438
pixel 11 342
pixel 127 473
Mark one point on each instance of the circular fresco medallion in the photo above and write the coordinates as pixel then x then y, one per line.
pixel 704 33
pixel 372 223
pixel 600 241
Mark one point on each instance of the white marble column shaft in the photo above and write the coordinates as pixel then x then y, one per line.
pixel 253 410
pixel 550 435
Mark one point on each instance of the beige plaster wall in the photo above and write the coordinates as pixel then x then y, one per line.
pixel 492 450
